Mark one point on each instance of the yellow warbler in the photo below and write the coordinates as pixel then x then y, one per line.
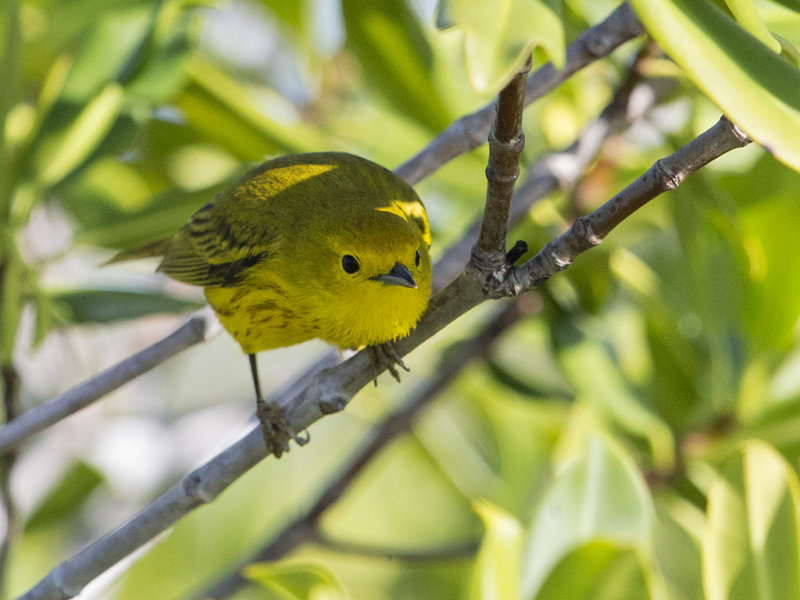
pixel 322 245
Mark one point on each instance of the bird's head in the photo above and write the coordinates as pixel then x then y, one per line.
pixel 382 275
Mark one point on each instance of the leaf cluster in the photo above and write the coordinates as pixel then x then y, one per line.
pixel 629 431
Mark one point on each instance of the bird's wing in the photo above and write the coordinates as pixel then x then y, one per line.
pixel 218 245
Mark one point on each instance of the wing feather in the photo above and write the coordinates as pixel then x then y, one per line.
pixel 216 247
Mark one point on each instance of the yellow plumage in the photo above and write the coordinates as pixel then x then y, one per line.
pixel 323 245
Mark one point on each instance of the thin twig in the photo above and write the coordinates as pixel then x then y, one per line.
pixel 304 527
pixel 193 331
pixel 331 389
pixel 589 231
pixel 328 391
pixel 561 170
pixel 506 141
pixel 466 133
pixel 471 131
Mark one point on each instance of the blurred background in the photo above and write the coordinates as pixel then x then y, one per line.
pixel 579 456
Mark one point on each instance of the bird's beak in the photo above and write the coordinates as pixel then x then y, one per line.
pixel 398 275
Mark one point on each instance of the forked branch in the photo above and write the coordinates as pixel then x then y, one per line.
pixel 490 262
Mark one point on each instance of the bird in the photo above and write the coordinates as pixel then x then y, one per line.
pixel 324 245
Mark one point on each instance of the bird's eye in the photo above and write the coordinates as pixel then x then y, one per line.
pixel 416 259
pixel 350 264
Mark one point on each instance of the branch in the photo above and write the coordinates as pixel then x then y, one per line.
pixel 207 482
pixel 305 527
pixel 561 170
pixel 197 329
pixel 331 389
pixel 470 131
pixel 328 391
pixel 589 231
pixel 506 141
pixel 557 170
pixel 466 133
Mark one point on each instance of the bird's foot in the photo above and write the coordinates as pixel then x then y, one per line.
pixel 385 356
pixel 276 430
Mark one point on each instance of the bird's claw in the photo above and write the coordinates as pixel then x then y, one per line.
pixel 276 430
pixel 385 356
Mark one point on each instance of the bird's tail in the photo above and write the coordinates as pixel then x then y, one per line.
pixel 154 248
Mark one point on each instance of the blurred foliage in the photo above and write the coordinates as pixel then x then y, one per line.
pixel 737 63
pixel 499 37
pixel 637 438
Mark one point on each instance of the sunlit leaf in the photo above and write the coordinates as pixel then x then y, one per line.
pixel 773 294
pixel 598 570
pixel 751 546
pixel 599 496
pixel 143 47
pixel 757 89
pixel 158 70
pixel 105 51
pixel 790 4
pixel 297 581
pixel 499 36
pixel 747 16
pixel 788 49
pixel 83 135
pixel 677 538
pixel 496 571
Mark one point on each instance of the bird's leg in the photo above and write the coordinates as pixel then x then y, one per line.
pixel 276 431
pixel 385 356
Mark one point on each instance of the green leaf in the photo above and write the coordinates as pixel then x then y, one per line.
pixel 223 110
pixel 790 4
pixel 167 213
pixel 598 570
pixel 788 50
pixel 496 572
pixel 297 580
pixel 590 368
pixel 396 58
pixel 105 306
pixel 143 47
pixel 677 544
pixel 751 545
pixel 600 495
pixel 747 16
pixel 82 136
pixel 12 277
pixel 106 50
pixel 158 69
pixel 499 36
pixel 778 425
pixel 291 12
pixel 757 89
pixel 773 295
pixel 66 497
